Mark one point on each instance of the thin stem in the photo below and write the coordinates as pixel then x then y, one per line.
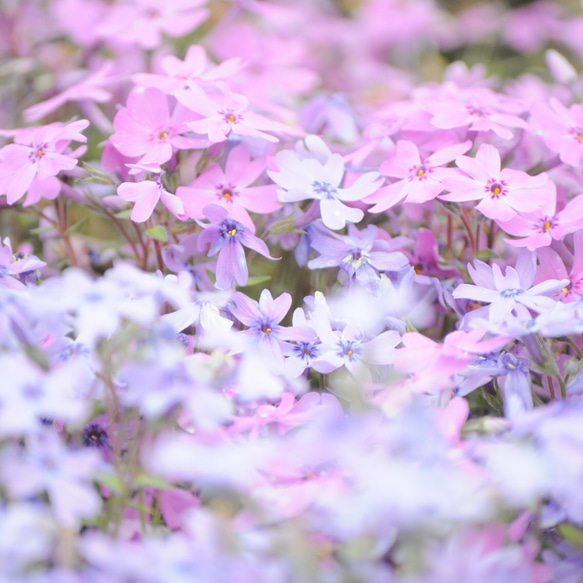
pixel 467 225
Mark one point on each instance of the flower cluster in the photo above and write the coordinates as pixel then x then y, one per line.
pixel 288 294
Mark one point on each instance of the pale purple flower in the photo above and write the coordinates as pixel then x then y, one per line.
pixel 361 255
pixel 46 465
pixel 263 321
pixel 313 172
pixel 226 236
pixel 511 294
pixel 15 269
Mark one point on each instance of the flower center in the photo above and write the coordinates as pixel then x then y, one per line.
pixel 325 189
pixel 231 229
pixel 349 348
pixel 225 192
pixel 95 436
pixel 577 134
pixel 496 188
pixel 511 293
pixel 163 135
pixel 37 153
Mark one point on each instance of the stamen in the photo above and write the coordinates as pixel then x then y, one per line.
pixel 547 226
pixel 267 330
pixel 231 118
pixel 349 353
pixel 232 232
pixel 163 135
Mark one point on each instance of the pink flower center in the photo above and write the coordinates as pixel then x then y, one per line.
pixel 230 116
pixel 37 153
pixel 419 172
pixel 496 188
pixel 546 224
pixel 226 192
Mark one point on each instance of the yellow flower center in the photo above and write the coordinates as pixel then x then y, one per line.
pixel 232 232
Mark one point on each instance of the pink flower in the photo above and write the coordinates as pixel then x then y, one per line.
pixel 230 188
pixel 503 193
pixel 88 89
pixel 146 195
pixel 478 109
pixel 143 22
pixel 194 69
pixel 420 182
pixel 561 129
pixel 37 156
pixel 542 227
pixel 225 113
pixel 145 128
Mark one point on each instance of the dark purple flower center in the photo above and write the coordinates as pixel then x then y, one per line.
pixel 306 350
pixel 231 229
pixel 95 436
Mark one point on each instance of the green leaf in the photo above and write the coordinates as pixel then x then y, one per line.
pixel 125 214
pixel 159 233
pixel 485 254
pixel 571 534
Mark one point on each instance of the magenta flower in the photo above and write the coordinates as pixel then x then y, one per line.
pixel 313 172
pixel 146 195
pixel 34 160
pixel 226 236
pixel 502 193
pixel 230 188
pixel 420 181
pixel 146 130
pixel 225 113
